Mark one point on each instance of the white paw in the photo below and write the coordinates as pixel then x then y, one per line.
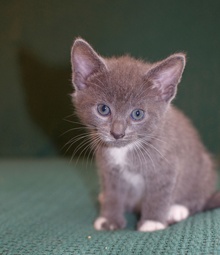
pixel 150 226
pixel 177 213
pixel 98 223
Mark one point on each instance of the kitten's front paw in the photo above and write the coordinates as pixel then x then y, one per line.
pixel 102 223
pixel 150 226
pixel 177 213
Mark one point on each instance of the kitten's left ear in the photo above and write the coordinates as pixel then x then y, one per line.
pixel 85 62
pixel 166 75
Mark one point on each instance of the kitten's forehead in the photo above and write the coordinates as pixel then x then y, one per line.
pixel 127 70
pixel 124 80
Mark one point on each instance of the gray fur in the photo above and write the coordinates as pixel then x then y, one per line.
pixel 168 163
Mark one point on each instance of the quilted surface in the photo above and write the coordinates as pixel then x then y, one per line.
pixel 48 207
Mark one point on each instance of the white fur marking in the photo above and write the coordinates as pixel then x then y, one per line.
pixel 135 179
pixel 137 182
pixel 98 223
pixel 177 213
pixel 118 155
pixel 150 226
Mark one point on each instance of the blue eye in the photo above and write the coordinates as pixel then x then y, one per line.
pixel 137 114
pixel 103 109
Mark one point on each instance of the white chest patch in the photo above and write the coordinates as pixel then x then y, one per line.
pixel 135 180
pixel 118 156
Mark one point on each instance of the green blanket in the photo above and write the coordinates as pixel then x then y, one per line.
pixel 48 207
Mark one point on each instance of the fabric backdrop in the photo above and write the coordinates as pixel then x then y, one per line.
pixel 35 41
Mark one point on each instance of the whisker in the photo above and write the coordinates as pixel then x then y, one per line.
pixel 153 147
pixel 75 139
pixel 137 149
pixel 148 153
pixel 88 138
pixel 71 115
pixel 151 137
pixel 81 125
pixel 95 141
pixel 73 129
pixel 96 147
pixel 84 143
pixel 73 122
pixel 87 144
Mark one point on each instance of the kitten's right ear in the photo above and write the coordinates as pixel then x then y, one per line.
pixel 165 76
pixel 85 62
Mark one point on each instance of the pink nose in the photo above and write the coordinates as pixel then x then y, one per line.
pixel 117 136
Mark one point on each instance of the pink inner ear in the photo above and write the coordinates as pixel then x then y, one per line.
pixel 165 82
pixel 85 61
pixel 165 78
pixel 83 65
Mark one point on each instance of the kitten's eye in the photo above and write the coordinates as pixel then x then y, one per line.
pixel 137 114
pixel 103 109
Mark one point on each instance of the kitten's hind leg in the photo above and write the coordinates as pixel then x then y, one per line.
pixel 177 213
pixel 101 198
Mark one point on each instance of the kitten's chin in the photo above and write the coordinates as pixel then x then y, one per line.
pixel 117 143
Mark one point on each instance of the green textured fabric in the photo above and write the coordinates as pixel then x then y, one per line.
pixel 48 207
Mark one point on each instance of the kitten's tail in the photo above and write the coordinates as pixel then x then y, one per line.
pixel 213 202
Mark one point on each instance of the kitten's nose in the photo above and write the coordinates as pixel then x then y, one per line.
pixel 117 129
pixel 117 136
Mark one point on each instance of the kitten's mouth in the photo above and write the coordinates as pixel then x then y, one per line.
pixel 111 142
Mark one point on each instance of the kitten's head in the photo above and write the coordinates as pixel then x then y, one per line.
pixel 122 99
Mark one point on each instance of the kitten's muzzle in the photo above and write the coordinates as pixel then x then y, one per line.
pixel 117 129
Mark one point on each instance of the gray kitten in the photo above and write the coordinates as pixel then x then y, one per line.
pixel 150 157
